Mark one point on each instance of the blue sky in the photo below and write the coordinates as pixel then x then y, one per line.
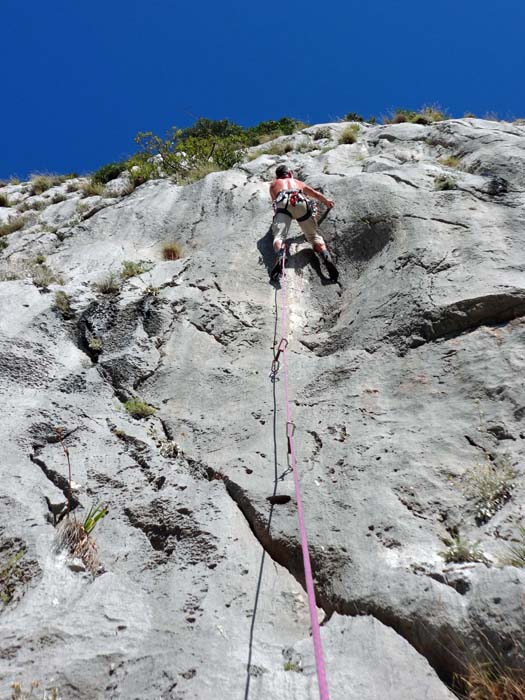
pixel 79 80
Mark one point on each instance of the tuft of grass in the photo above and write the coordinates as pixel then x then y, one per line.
pixel 459 551
pixel 132 269
pixel 92 189
pixel 349 134
pixel 3 244
pixel 450 162
pixel 425 116
pixel 322 133
pixel 12 226
pixel 109 284
pixel 139 409
pixel 293 666
pixel 443 183
pixel 43 276
pixel 63 304
pixel 490 485
pixel 58 197
pixel 73 537
pixel 41 183
pixel 515 553
pixel 40 259
pixel 35 205
pixel 492 680
pixel 4 201
pixel 171 251
pixel 197 173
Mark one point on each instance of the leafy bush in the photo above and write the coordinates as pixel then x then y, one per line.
pixel 353 117
pixel 282 127
pixel 442 182
pixel 459 550
pixel 139 409
pixel 349 134
pixel 450 162
pixel 322 133
pixel 108 172
pixel 426 115
pixel 63 304
pixel 171 251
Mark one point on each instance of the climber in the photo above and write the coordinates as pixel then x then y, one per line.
pixel 289 202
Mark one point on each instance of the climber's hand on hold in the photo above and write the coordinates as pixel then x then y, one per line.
pixel 329 203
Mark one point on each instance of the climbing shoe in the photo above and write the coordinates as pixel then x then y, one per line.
pixel 278 267
pixel 333 272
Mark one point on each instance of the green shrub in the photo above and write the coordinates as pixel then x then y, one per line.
pixel 63 304
pixel 459 550
pixel 353 117
pixel 4 201
pixel 322 133
pixel 349 134
pixel 95 344
pixel 171 251
pixel 108 172
pixel 132 269
pixel 273 128
pixel 292 666
pixel 109 284
pixel 139 409
pixel 426 115
pixel 450 162
pixel 141 169
pixel 442 182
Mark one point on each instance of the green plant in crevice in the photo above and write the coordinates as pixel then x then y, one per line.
pixel 514 554
pixel 443 182
pixel 138 408
pixel 490 485
pixel 460 550
pixel 95 514
pixel 63 304
pixel 132 269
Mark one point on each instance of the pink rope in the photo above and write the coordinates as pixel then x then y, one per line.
pixel 310 590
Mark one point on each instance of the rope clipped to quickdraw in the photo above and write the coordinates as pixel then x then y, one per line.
pixel 290 430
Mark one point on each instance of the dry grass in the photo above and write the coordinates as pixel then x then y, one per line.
pixel 4 201
pixel 92 189
pixel 109 284
pixel 12 226
pixel 73 538
pixel 350 134
pixel 18 693
pixel 515 552
pixel 493 680
pixel 41 183
pixel 171 251
pixel 450 162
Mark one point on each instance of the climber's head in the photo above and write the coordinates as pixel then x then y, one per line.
pixel 283 171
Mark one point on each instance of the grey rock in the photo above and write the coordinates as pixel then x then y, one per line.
pixel 405 388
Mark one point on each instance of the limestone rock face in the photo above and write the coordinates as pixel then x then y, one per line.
pixel 407 396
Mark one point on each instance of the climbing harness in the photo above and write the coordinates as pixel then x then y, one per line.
pixel 293 198
pixel 290 429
